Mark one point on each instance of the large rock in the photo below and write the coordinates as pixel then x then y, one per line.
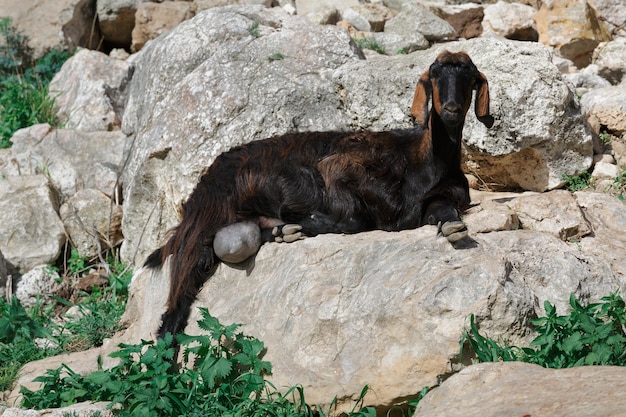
pixel 116 20
pixel 59 24
pixel 466 19
pixel 540 133
pixel 70 158
pixel 572 27
pixel 337 312
pixel 610 57
pixel 613 14
pixel 92 221
pixel 90 91
pixel 521 389
pixel 211 79
pixel 419 18
pixel 155 19
pixel 32 233
pixel 510 20
pixel 37 286
pixel 606 108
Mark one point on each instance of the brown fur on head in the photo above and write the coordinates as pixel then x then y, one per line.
pixel 459 65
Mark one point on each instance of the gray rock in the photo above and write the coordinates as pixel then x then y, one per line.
pixel 510 20
pixel 90 91
pixel 418 18
pixel 605 108
pixel 32 233
pixel 613 14
pixel 537 118
pixel 610 57
pixel 92 221
pixel 37 285
pixel 116 19
pixel 521 389
pixel 61 25
pixel 68 157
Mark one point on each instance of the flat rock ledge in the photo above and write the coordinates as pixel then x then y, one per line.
pixel 521 389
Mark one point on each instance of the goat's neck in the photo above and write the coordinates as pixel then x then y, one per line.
pixel 446 138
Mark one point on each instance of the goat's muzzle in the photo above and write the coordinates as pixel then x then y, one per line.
pixel 452 113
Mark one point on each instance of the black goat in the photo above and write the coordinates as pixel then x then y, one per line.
pixel 332 182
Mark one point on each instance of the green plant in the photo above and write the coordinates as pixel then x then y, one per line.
pixel 592 334
pixel 75 264
pixel 18 330
pixel 15 54
pixel 605 138
pixel 253 30
pixel 371 43
pixel 619 184
pixel 101 310
pixel 24 99
pixel 577 182
pixel 222 374
pixel 275 57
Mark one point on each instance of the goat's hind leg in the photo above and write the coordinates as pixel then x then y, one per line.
pixel 446 217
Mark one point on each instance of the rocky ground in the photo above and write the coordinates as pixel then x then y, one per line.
pixel 139 128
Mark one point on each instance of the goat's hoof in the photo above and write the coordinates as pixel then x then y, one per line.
pixel 287 233
pixel 453 231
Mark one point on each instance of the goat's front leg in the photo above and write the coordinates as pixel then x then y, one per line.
pixel 446 217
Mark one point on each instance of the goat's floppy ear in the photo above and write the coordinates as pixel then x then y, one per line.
pixel 423 91
pixel 482 101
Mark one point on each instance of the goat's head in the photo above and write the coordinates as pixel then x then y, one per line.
pixel 450 81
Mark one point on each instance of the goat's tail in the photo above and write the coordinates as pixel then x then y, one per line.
pixel 193 260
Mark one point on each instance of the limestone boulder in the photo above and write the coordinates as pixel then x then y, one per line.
pixel 116 20
pixel 92 221
pixel 368 17
pixel 337 312
pixel 155 19
pixel 85 409
pixel 323 11
pixel 613 14
pixel 605 108
pixel 571 27
pixel 610 57
pixel 419 18
pixel 539 133
pixel 62 24
pixel 521 389
pixel 90 91
pixel 466 19
pixel 393 44
pixel 32 232
pixel 68 157
pixel 510 20
pixel 37 286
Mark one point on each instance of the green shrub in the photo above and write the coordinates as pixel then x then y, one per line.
pixel 369 42
pixel 24 99
pixel 18 331
pixel 590 335
pixel 222 374
pixel 577 182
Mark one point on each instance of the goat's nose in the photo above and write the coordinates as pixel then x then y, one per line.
pixel 452 108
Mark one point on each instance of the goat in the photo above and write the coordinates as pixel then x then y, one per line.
pixel 305 184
